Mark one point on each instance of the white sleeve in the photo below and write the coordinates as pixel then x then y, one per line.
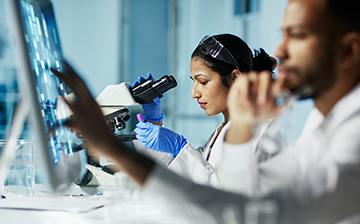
pixel 296 203
pixel 308 199
pixel 240 172
pixel 161 158
pixel 191 164
pixel 235 172
pixel 186 200
pixel 324 189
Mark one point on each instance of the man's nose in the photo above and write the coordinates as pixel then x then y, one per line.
pixel 281 50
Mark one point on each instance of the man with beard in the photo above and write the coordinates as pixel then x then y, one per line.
pixel 320 53
pixel 315 180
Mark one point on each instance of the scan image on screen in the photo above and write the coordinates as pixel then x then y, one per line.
pixel 44 51
pixel 37 28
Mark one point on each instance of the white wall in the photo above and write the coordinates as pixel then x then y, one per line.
pixel 90 36
pixel 272 14
pixel 201 17
pixel 90 31
pixel 7 58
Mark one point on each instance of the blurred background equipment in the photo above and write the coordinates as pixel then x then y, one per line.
pixel 117 41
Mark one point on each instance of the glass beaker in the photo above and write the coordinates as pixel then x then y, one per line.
pixel 20 178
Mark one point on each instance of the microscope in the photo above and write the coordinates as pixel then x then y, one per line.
pixel 113 101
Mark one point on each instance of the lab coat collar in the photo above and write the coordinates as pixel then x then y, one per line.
pixel 342 110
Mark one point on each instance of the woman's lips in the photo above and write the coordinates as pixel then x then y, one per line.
pixel 202 105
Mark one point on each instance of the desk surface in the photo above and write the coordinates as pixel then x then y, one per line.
pixel 115 207
pixel 108 214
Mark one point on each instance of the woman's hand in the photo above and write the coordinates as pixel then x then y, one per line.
pixel 159 139
pixel 153 111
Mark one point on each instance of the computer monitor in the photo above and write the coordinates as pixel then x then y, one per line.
pixel 37 48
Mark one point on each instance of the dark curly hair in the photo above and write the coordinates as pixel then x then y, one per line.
pixel 241 52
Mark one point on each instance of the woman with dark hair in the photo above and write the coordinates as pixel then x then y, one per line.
pixel 215 63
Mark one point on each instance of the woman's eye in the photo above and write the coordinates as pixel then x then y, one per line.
pixel 204 83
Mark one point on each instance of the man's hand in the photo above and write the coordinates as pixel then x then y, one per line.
pixel 88 120
pixel 251 101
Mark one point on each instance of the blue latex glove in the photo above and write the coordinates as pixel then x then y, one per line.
pixel 159 138
pixel 152 110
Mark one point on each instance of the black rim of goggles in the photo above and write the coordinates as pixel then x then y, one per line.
pixel 210 46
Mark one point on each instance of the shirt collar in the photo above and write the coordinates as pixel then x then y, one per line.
pixel 345 107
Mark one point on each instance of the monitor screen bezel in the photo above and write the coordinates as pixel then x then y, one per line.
pixel 61 175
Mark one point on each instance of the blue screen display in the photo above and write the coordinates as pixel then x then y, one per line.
pixel 42 39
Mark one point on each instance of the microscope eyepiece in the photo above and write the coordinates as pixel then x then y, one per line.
pixel 149 89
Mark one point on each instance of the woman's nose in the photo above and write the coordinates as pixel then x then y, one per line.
pixel 194 93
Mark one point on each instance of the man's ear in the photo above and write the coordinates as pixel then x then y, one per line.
pixel 350 51
pixel 234 74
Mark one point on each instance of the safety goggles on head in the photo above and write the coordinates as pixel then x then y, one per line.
pixel 210 46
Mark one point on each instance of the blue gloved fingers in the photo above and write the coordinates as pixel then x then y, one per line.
pixel 144 141
pixel 144 125
pixel 140 132
pixel 141 138
pixel 150 75
pixel 153 111
pixel 159 138
pixel 148 134
pixel 136 83
pixel 157 101
pixel 141 79
pixel 143 129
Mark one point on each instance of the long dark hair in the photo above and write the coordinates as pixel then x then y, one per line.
pixel 241 52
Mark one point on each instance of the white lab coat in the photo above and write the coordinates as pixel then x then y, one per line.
pixel 190 162
pixel 193 164
pixel 315 180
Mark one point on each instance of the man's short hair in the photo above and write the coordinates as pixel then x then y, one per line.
pixel 344 14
